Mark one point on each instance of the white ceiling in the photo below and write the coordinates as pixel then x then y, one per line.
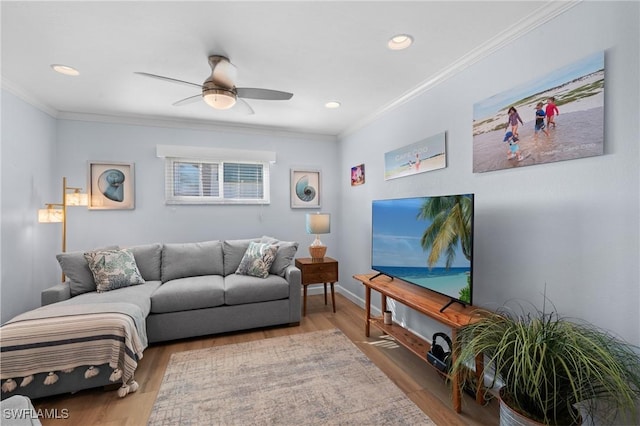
pixel 320 51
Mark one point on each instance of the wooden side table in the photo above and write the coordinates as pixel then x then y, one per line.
pixel 315 272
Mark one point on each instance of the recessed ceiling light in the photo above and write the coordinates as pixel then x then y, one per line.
pixel 399 42
pixel 332 104
pixel 65 69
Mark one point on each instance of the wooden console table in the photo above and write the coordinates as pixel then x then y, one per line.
pixel 428 303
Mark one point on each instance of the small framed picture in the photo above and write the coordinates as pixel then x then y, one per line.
pixel 305 189
pixel 111 186
pixel 357 175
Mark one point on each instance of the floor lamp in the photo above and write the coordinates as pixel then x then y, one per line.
pixel 57 212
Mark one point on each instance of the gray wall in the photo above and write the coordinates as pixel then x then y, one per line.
pixel 152 220
pixel 28 158
pixel 572 226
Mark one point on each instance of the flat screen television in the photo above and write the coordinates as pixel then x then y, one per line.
pixel 426 241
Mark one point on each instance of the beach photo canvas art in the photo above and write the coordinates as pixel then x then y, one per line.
pixel 419 157
pixel 558 117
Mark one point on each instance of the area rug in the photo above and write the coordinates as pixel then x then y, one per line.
pixel 303 379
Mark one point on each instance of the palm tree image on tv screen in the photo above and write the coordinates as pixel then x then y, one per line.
pixel 426 241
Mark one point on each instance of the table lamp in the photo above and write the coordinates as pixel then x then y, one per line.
pixel 318 223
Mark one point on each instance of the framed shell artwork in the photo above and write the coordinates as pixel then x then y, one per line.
pixel 305 189
pixel 111 186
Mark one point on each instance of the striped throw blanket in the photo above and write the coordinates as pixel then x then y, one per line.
pixel 55 339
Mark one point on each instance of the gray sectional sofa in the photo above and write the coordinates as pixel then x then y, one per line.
pixel 189 289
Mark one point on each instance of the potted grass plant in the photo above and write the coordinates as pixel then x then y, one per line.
pixel 551 370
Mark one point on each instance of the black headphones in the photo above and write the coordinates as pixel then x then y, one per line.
pixel 439 352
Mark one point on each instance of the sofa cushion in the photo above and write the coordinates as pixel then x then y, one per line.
pixel 139 295
pixel 233 251
pixel 76 269
pixel 240 289
pixel 286 252
pixel 113 269
pixel 257 260
pixel 184 294
pixel 149 260
pixel 191 260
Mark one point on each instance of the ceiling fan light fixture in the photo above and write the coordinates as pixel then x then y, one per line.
pixel 332 105
pixel 219 98
pixel 400 42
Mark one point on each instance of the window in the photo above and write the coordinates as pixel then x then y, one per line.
pixel 195 179
pixel 214 181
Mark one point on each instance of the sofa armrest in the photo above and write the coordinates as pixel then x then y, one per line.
pixel 294 278
pixel 57 293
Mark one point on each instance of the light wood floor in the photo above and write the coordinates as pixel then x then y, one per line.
pixel 415 377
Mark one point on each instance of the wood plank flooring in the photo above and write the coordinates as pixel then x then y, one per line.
pixel 417 379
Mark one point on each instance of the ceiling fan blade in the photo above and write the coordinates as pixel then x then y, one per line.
pixel 187 101
pixel 265 94
pixel 172 80
pixel 243 107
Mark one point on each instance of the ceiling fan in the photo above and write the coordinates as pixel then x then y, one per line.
pixel 219 90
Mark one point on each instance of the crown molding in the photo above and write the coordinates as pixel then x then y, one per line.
pixel 155 121
pixel 541 16
pixel 27 97
pixel 191 124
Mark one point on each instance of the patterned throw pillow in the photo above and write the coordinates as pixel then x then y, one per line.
pixel 257 260
pixel 113 269
pixel 286 252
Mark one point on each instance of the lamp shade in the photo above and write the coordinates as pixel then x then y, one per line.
pixel 77 199
pixel 50 215
pixel 318 223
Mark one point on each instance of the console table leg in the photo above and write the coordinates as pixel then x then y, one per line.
pixel 455 380
pixel 367 305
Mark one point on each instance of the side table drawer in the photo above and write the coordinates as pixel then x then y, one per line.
pixel 329 268
pixel 318 272
pixel 320 277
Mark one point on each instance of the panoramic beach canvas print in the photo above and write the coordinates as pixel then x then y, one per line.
pixel 558 117
pixel 419 157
